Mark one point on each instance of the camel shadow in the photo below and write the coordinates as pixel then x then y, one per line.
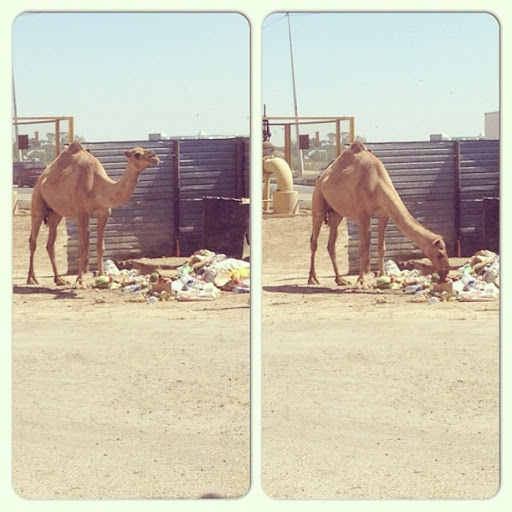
pixel 64 293
pixel 315 289
pixel 210 496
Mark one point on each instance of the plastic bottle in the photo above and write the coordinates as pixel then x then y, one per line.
pixel 176 286
pixel 391 268
pixel 491 291
pixel 186 279
pixel 492 272
pixel 209 292
pixel 419 296
pixel 111 268
pixel 457 286
pixel 413 288
pixel 468 280
pixel 132 288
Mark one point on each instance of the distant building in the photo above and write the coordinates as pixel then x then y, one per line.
pixel 492 125
pixel 491 131
pixel 158 136
pixel 201 135
pixel 438 137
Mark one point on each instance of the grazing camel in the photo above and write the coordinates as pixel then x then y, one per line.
pixel 75 185
pixel 356 185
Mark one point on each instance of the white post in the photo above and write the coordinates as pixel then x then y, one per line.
pixel 299 152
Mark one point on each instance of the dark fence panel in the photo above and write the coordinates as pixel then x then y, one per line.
pixel 479 179
pixel 164 214
pixel 206 168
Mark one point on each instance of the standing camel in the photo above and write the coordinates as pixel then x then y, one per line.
pixel 356 185
pixel 75 185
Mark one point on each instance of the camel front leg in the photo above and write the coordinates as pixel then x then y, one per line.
pixel 53 223
pixel 100 242
pixel 381 247
pixel 364 251
pixel 334 223
pixel 83 247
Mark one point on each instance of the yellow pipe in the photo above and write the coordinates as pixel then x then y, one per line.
pixel 285 200
pixel 281 170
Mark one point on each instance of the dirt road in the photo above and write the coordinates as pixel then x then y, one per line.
pixel 365 394
pixel 115 399
pixel 368 394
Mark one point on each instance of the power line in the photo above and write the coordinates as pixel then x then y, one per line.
pixel 275 21
pixel 294 14
pixel 299 152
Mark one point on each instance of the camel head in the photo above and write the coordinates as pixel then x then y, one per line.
pixel 436 252
pixel 141 158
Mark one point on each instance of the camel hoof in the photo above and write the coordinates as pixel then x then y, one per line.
pixel 59 281
pixel 32 280
pixel 80 284
pixel 341 282
pixel 313 280
pixel 362 285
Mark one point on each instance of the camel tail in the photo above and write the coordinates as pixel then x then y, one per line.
pixel 47 212
pixel 327 213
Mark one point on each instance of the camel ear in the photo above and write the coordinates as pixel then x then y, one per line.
pixel 74 147
pixel 357 147
pixel 439 244
pixel 127 154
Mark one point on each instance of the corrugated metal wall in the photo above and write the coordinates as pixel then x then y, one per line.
pixel 442 185
pixel 165 213
pixel 206 168
pixel 479 178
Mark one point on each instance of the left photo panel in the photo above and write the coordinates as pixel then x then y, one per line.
pixel 131 255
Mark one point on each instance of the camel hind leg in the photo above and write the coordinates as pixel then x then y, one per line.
pixel 318 212
pixel 37 220
pixel 83 247
pixel 313 242
pixel 334 221
pixel 38 211
pixel 100 234
pixel 53 223
pixel 364 222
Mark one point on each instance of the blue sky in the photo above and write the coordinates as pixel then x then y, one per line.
pixel 123 76
pixel 402 76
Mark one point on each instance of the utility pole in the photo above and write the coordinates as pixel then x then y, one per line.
pixel 299 152
pixel 15 112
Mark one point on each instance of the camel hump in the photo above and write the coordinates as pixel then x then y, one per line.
pixel 357 147
pixel 75 147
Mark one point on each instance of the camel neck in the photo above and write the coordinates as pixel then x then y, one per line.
pixel 124 187
pixel 406 223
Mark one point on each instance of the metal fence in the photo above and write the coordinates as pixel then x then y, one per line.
pixel 164 216
pixel 443 185
pixel 479 176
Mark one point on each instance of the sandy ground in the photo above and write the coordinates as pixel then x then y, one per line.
pixel 365 394
pixel 114 399
pixel 368 394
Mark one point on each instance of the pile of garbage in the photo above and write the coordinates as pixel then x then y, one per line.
pixel 476 280
pixel 201 277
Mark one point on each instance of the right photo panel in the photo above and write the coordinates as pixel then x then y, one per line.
pixel 381 255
